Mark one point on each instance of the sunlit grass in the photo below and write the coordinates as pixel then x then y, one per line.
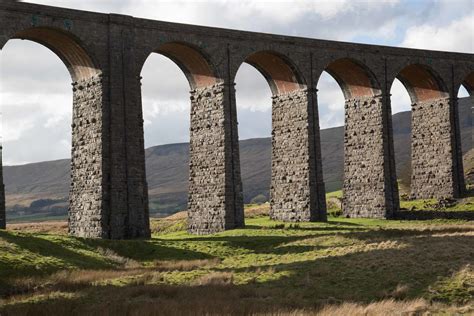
pixel 267 267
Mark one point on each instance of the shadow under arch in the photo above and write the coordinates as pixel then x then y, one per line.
pixel 280 73
pixel 355 79
pixel 196 66
pixel 422 83
pixel 67 47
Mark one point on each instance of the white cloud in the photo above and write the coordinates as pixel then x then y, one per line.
pixel 253 92
pixel 462 93
pixel 400 99
pixel 35 86
pixel 330 102
pixel 457 36
pixel 290 11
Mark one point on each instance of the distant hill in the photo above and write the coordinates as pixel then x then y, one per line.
pixel 41 189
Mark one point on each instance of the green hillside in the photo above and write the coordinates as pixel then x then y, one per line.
pixel 40 190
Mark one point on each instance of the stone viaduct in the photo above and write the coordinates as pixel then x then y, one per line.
pixel 104 54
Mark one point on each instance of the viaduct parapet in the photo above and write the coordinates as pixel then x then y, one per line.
pixel 105 53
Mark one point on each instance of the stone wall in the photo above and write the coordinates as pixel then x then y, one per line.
pixel 293 192
pixel 88 208
pixel 235 201
pixel 129 214
pixel 365 168
pixel 318 200
pixel 213 205
pixel 433 163
pixel 456 121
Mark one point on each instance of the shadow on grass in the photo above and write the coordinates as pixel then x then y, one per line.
pixel 414 261
pixel 430 215
pixel 46 248
pixel 260 244
pixel 71 253
pixel 468 193
pixel 271 244
pixel 146 250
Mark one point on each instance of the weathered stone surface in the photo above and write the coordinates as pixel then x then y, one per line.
pixel 213 205
pixel 365 169
pixel 293 187
pixel 88 209
pixel 433 148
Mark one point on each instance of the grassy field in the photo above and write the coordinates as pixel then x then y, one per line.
pixel 342 267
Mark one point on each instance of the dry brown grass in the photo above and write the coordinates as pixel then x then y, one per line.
pixel 185 265
pixel 216 278
pixel 314 269
pixel 177 216
pixel 385 307
pixel 116 258
pixel 76 280
pixel 52 227
pixel 251 211
pixel 215 299
pixel 257 210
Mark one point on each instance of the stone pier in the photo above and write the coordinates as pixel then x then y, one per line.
pixel 215 195
pixel 367 180
pixel 435 171
pixel 294 186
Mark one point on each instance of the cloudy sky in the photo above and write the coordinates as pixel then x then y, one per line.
pixel 36 96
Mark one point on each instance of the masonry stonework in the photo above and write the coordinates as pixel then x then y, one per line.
pixel 104 54
pixel 88 211
pixel 293 163
pixel 365 167
pixel 213 205
pixel 433 166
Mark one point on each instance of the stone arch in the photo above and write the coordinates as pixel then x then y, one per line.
pixel 436 166
pixel 88 202
pixel 214 189
pixel 355 79
pixel 194 63
pixel 369 176
pixel 280 73
pixel 67 47
pixel 295 191
pixel 422 83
